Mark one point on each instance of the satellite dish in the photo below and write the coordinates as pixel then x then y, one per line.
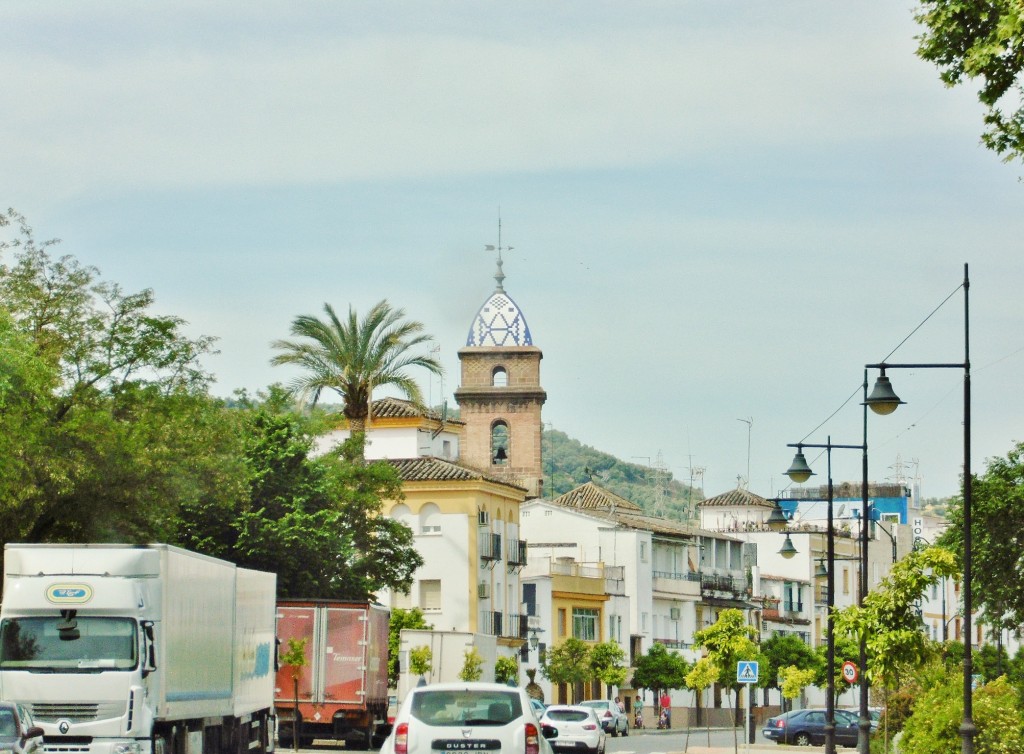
pixel 842 510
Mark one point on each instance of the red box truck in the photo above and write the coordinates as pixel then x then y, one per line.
pixel 343 688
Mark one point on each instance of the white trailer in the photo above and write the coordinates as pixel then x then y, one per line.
pixel 122 649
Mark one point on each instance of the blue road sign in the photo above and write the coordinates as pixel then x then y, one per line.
pixel 746 671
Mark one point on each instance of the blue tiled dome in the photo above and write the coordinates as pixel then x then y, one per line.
pixel 500 322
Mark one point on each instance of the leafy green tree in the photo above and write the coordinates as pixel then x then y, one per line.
pixel 353 356
pixel 472 665
pixel 315 521
pixel 569 663
pixel 728 641
pixel 888 620
pixel 703 673
pixel 421 660
pixel 121 429
pixel 400 619
pixel 795 680
pixel 660 669
pixel 998 527
pixel 506 670
pixel 782 651
pixel 934 725
pixel 985 41
pixel 608 663
pixel 295 659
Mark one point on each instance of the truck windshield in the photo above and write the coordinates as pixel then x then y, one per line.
pixel 97 644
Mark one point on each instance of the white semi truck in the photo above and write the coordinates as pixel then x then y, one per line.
pixel 122 649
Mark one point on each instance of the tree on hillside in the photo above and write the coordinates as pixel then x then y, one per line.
pixel 997 530
pixel 104 401
pixel 981 40
pixel 353 356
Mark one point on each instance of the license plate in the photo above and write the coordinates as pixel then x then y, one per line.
pixel 461 744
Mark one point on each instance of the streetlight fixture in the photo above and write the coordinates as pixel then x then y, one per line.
pixel 883 400
pixel 799 471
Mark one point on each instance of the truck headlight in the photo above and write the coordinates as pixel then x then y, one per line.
pixel 127 747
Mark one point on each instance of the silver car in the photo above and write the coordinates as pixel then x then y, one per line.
pixel 612 718
pixel 452 717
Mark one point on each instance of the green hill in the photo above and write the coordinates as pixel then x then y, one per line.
pixel 569 463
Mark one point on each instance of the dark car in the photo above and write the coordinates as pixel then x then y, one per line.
pixel 18 734
pixel 804 727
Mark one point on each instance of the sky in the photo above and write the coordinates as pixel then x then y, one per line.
pixel 718 212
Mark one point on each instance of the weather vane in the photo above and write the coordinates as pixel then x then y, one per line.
pixel 499 275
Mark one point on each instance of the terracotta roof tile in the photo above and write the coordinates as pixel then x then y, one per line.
pixel 430 469
pixel 591 496
pixel 737 498
pixel 396 408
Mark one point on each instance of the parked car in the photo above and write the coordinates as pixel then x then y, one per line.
pixel 613 720
pixel 18 734
pixel 804 727
pixel 578 728
pixel 451 717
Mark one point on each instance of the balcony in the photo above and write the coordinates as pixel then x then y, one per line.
pixel 674 643
pixel 491 622
pixel 516 556
pixel 710 583
pixel 490 547
pixel 515 626
pixel 676 584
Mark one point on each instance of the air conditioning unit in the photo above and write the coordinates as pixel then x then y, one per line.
pixel 483 590
pixel 673 613
pixel 483 518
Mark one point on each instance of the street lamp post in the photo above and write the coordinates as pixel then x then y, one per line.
pixel 800 472
pixel 883 400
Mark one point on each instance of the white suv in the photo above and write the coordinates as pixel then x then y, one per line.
pixel 452 717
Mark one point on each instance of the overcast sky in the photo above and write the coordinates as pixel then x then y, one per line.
pixel 719 211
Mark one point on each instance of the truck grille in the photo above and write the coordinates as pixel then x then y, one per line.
pixel 76 712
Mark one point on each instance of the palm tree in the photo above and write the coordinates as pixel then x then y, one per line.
pixel 352 357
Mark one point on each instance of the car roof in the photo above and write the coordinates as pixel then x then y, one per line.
pixel 468 686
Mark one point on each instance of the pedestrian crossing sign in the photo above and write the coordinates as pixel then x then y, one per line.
pixel 746 671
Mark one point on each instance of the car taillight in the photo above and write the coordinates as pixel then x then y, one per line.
pixel 607 713
pixel 589 726
pixel 532 740
pixel 780 723
pixel 402 739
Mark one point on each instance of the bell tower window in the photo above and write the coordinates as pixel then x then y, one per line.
pixel 499 443
pixel 499 377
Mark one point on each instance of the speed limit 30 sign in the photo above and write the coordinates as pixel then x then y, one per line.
pixel 850 673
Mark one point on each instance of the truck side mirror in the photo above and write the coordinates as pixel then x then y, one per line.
pixel 149 664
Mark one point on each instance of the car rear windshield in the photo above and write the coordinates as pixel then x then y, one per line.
pixel 466 707
pixel 568 715
pixel 596 705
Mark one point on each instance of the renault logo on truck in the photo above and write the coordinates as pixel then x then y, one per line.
pixel 64 726
pixel 69 594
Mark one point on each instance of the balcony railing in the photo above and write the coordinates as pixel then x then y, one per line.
pixel 490 546
pixel 674 643
pixel 710 582
pixel 681 576
pixel 515 626
pixel 516 552
pixel 491 623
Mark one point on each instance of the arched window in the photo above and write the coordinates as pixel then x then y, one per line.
pixel 499 377
pixel 500 449
pixel 403 515
pixel 430 519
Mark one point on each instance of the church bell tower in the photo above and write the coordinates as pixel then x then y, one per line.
pixel 500 396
